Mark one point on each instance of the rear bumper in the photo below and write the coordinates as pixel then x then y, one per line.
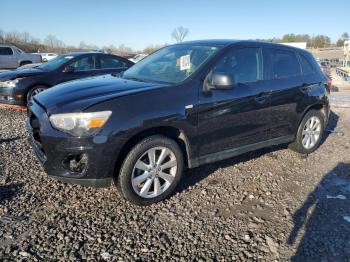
pixel 58 152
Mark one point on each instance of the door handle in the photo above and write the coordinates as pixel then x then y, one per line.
pixel 262 97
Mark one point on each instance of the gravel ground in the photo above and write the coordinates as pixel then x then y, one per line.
pixel 272 204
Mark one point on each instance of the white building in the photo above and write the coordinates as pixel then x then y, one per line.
pixel 301 45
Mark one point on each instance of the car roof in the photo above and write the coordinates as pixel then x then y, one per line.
pixel 81 53
pixel 224 42
pixel 228 42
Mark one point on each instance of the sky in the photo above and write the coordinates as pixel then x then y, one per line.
pixel 138 24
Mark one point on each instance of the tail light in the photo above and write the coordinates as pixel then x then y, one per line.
pixel 329 82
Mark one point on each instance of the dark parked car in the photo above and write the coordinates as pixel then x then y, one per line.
pixel 19 86
pixel 183 106
pixel 325 68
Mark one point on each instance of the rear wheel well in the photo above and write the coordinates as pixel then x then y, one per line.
pixel 25 62
pixel 319 107
pixel 171 132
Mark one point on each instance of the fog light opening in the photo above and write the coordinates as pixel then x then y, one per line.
pixel 77 163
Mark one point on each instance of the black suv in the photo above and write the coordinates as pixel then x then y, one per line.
pixel 19 86
pixel 185 105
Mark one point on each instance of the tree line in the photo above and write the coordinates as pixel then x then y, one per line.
pixel 51 43
pixel 318 41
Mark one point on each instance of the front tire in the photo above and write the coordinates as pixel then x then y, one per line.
pixel 151 170
pixel 310 133
pixel 34 91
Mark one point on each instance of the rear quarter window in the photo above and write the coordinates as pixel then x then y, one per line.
pixel 6 51
pixel 306 65
pixel 284 64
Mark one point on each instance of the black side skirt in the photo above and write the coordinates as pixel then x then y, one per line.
pixel 210 158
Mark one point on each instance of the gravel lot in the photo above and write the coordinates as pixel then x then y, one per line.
pixel 271 204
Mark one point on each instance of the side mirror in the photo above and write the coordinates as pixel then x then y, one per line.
pixel 68 69
pixel 221 81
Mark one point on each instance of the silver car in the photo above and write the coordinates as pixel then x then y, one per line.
pixel 13 57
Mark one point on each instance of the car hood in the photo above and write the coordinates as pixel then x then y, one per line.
pixel 19 73
pixel 78 95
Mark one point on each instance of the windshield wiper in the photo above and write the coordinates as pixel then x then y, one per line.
pixel 134 79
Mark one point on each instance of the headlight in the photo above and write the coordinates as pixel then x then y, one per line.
pixel 9 83
pixel 80 124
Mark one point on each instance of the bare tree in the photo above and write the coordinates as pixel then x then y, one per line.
pixel 54 44
pixel 51 41
pixel 179 33
pixel 13 38
pixel 25 37
pixel 2 37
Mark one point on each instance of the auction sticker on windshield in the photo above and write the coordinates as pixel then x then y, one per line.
pixel 185 62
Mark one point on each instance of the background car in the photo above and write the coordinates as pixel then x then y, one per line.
pixel 325 67
pixel 19 86
pixel 29 66
pixel 47 56
pixel 137 58
pixel 13 57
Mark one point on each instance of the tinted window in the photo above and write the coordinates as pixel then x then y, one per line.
pixel 284 64
pixel 111 62
pixel 6 51
pixel 244 65
pixel 85 63
pixel 306 67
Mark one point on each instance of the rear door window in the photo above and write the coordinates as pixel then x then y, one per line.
pixel 6 51
pixel 244 65
pixel 110 62
pixel 284 64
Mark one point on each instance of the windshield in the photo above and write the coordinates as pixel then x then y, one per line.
pixel 172 64
pixel 55 63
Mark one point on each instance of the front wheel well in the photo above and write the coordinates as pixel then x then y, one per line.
pixel 30 89
pixel 171 132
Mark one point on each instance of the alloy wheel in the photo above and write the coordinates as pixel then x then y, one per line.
pixel 154 172
pixel 35 92
pixel 311 132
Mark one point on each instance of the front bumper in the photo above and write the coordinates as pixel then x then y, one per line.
pixel 9 96
pixel 56 151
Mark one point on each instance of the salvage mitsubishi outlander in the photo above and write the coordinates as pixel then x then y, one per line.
pixel 185 105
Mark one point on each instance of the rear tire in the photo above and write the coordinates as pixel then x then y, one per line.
pixel 310 133
pixel 151 170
